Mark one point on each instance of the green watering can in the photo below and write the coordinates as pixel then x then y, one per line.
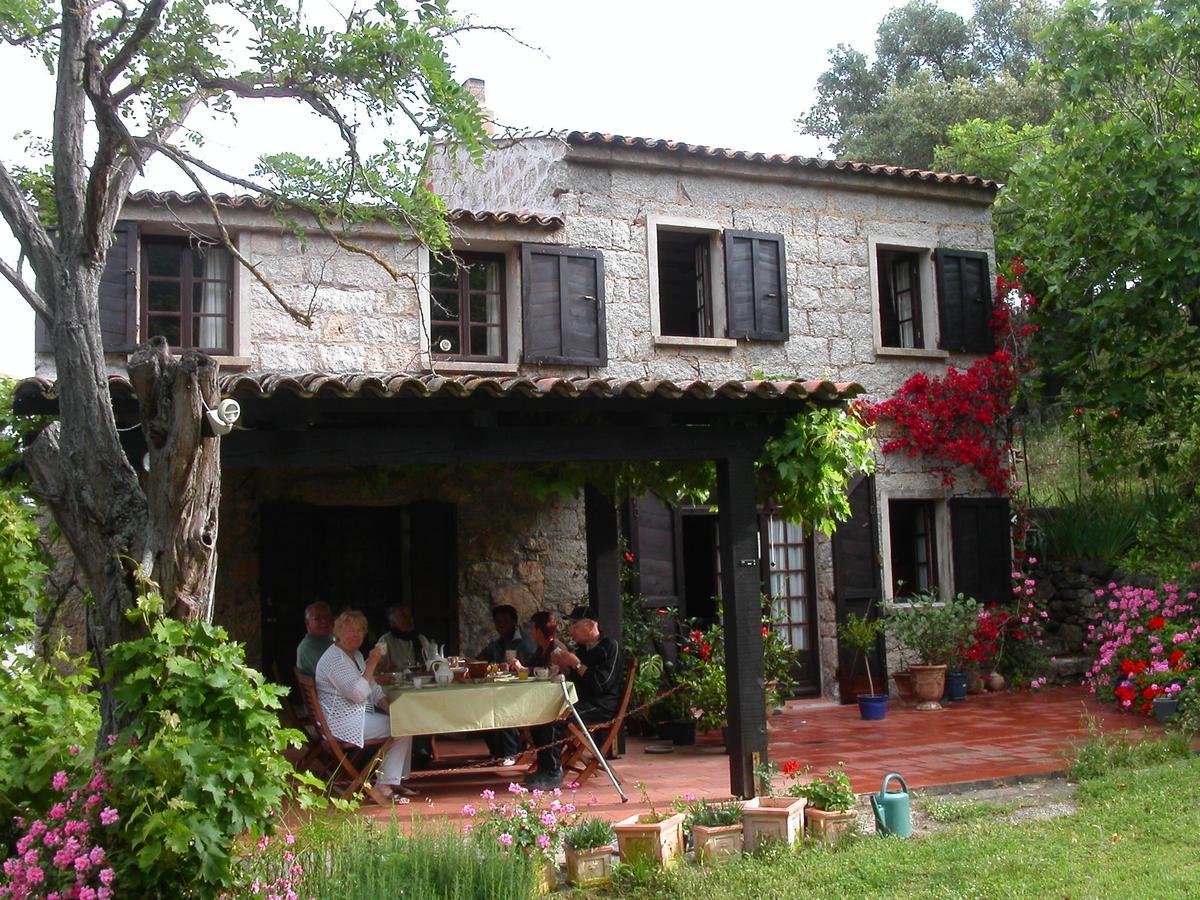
pixel 891 809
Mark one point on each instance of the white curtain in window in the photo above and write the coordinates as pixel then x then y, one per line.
pixel 214 298
pixel 493 309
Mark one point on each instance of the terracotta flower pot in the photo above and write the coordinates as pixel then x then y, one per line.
pixel 661 841
pixel 903 685
pixel 591 867
pixel 717 843
pixel 929 683
pixel 828 826
pixel 995 682
pixel 779 819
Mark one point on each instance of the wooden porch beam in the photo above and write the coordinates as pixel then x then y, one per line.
pixel 741 595
pixel 396 445
pixel 603 560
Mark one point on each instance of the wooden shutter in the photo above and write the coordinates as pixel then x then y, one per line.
pixel 964 300
pixel 562 303
pixel 856 586
pixel 756 286
pixel 981 548
pixel 118 295
pixel 655 545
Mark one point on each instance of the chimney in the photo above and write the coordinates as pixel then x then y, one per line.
pixel 475 87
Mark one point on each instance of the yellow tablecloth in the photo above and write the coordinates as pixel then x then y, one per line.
pixel 475 707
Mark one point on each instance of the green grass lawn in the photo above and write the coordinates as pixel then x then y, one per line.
pixel 1137 834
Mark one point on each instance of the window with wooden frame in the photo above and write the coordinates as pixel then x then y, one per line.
pixel 913 542
pixel 187 294
pixel 900 298
pixel 685 283
pixel 467 313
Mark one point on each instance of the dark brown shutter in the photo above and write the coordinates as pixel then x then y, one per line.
pixel 856 586
pixel 756 286
pixel 981 548
pixel 964 301
pixel 562 301
pixel 654 546
pixel 118 295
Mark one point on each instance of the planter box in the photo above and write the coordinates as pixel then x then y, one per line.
pixel 828 826
pixel 589 868
pixel 661 841
pixel 766 819
pixel 717 843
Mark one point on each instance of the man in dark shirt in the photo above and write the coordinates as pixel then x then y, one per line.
pixel 505 743
pixel 595 668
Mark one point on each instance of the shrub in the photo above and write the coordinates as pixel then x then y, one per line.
pixel 937 631
pixel 202 761
pixel 1147 644
pixel 1098 524
pixel 529 822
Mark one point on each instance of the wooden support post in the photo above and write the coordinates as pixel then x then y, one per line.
pixel 741 592
pixel 603 560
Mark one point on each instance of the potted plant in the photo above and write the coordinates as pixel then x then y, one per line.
pixel 862 634
pixel 650 835
pixel 770 818
pixel 829 812
pixel 589 848
pixel 935 630
pixel 529 823
pixel 715 830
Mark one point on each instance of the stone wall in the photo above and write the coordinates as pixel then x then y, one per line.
pixel 532 556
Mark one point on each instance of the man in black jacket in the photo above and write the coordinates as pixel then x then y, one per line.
pixel 596 670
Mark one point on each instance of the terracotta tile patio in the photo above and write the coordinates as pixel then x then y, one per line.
pixel 991 736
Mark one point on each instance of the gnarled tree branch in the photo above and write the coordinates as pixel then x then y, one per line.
pixel 32 297
pixel 23 222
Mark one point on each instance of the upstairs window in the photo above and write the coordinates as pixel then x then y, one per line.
pixel 685 289
pixel 900 299
pixel 468 307
pixel 187 291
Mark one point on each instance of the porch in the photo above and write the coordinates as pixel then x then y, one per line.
pixel 991 737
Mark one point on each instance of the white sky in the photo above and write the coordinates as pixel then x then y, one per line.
pixel 729 75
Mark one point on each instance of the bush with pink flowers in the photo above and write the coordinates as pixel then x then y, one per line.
pixel 529 822
pixel 1147 644
pixel 63 854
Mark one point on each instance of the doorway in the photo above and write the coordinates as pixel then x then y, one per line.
pixel 358 557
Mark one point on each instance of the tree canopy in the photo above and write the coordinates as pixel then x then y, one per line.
pixel 1107 217
pixel 932 69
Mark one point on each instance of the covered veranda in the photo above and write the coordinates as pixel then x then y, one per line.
pixel 307 421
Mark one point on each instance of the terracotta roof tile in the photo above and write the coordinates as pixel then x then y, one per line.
pixel 39 395
pixel 776 159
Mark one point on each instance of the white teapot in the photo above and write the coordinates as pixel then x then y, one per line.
pixel 442 672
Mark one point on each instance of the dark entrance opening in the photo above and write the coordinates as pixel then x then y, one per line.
pixel 699 554
pixel 356 557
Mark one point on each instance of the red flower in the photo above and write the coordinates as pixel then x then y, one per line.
pixel 1151 692
pixel 766 631
pixel 1176 658
pixel 662 612
pixel 790 768
pixel 1125 692
pixel 1156 622
pixel 628 557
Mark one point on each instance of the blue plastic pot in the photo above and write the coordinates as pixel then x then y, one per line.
pixel 872 706
pixel 956 686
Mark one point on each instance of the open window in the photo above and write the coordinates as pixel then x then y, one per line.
pixel 685 283
pixel 900 319
pixel 913 540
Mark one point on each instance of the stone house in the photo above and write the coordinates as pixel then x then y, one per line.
pixel 587 266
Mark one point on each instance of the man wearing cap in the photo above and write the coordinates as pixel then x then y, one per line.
pixel 595 669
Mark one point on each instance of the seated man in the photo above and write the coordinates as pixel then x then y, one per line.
pixel 318 622
pixel 404 645
pixel 595 668
pixel 505 743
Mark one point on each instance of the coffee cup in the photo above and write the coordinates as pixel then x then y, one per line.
pixel 541 673
pixel 419 681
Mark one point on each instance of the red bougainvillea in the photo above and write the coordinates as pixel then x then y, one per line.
pixel 961 418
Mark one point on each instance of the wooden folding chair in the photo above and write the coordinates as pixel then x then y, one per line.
pixel 294 713
pixel 578 758
pixel 350 765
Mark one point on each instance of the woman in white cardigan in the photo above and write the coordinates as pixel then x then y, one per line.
pixel 348 694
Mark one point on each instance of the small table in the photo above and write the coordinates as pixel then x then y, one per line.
pixel 476 706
